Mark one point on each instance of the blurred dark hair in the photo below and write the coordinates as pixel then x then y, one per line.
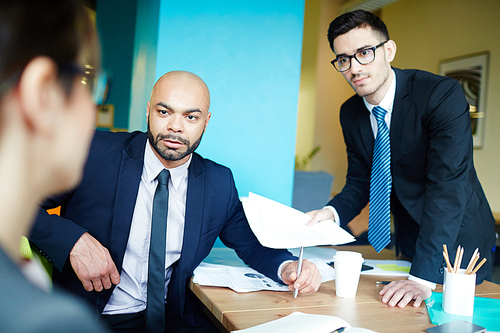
pixel 356 19
pixel 58 29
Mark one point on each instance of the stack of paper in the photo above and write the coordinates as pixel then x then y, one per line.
pixel 278 226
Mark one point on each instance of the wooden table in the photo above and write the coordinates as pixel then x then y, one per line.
pixel 238 311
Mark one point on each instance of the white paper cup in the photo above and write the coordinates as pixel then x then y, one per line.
pixel 347 270
pixel 458 293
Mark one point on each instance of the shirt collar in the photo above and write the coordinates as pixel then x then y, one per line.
pixel 388 101
pixel 153 167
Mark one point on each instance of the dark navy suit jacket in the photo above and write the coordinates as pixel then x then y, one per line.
pixel 436 196
pixel 103 204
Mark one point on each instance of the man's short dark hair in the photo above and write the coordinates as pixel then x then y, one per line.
pixel 355 19
pixel 58 29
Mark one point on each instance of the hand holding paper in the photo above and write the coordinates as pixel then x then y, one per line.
pixel 278 226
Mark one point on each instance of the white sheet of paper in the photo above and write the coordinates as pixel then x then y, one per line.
pixel 239 279
pixel 246 279
pixel 325 254
pixel 299 322
pixel 278 226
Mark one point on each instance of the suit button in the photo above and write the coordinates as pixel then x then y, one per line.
pixel 441 270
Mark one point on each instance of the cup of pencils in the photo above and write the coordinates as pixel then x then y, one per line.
pixel 459 284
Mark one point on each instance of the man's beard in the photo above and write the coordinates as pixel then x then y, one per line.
pixel 172 154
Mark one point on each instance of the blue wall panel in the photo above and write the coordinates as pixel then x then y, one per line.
pixel 249 54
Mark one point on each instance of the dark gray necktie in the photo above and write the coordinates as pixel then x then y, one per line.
pixel 155 308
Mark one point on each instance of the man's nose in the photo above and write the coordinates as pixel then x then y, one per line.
pixel 175 123
pixel 355 66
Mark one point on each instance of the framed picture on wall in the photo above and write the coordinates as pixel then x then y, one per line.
pixel 472 73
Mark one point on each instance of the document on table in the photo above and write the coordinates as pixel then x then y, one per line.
pixel 278 226
pixel 240 279
pixel 302 322
pixel 387 267
pixel 246 279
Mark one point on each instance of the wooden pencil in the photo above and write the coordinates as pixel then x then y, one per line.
pixel 448 264
pixel 471 265
pixel 478 266
pixel 460 256
pixel 457 254
pixel 467 270
pixel 447 258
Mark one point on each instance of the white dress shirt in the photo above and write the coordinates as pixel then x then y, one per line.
pixel 130 295
pixel 387 104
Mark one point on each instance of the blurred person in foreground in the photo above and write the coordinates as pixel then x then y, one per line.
pixel 409 148
pixel 46 120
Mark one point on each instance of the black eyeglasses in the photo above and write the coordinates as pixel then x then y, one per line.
pixel 96 80
pixel 365 56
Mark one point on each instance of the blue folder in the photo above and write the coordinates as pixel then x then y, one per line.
pixel 486 312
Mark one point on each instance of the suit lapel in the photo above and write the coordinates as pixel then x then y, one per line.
pixel 194 209
pixel 365 128
pixel 400 112
pixel 129 177
pixel 192 229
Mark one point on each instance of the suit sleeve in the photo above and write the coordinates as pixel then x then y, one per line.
pixel 237 235
pixel 356 191
pixel 54 235
pixel 448 163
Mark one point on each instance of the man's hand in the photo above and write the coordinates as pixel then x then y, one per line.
pixel 308 281
pixel 320 215
pixel 403 291
pixel 92 264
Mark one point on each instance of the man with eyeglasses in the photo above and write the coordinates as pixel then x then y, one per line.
pixel 409 147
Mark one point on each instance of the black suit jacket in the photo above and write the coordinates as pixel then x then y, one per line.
pixel 436 196
pixel 103 205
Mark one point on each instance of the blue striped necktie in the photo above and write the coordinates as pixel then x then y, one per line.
pixel 379 229
pixel 155 307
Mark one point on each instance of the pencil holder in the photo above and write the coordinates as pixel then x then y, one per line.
pixel 458 293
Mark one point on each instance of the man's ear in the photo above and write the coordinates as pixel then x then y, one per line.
pixel 206 121
pixel 390 50
pixel 38 93
pixel 147 111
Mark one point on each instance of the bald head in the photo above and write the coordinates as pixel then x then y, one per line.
pixel 177 115
pixel 185 83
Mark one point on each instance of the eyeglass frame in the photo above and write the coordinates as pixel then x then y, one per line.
pixel 373 48
pixel 98 91
pixel 97 78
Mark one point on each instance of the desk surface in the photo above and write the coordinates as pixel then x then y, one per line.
pixel 239 311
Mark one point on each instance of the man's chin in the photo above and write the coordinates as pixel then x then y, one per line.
pixel 174 156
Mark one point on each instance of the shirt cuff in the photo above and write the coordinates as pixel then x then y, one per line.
pixel 281 267
pixel 336 217
pixel 426 283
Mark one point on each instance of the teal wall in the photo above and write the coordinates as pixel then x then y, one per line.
pixel 249 54
pixel 116 25
pixel 144 61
